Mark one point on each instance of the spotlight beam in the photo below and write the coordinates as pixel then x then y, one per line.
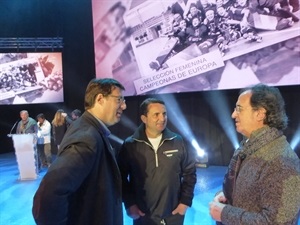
pixel 296 138
pixel 176 113
pixel 128 123
pixel 116 139
pixel 219 104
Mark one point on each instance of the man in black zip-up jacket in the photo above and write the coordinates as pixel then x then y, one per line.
pixel 158 172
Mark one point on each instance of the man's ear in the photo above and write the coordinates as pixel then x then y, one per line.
pixel 143 118
pixel 261 114
pixel 99 98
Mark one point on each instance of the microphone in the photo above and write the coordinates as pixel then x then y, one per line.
pixel 9 135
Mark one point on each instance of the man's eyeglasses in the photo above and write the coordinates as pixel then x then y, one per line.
pixel 238 109
pixel 120 99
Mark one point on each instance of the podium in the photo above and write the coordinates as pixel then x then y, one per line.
pixel 25 151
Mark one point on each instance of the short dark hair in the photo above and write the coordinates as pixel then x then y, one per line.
pixel 271 100
pixel 144 105
pixel 76 112
pixel 41 115
pixel 99 86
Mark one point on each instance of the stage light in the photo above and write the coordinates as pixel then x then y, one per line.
pixel 200 152
pixel 202 157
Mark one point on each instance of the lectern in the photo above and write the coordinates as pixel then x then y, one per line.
pixel 25 151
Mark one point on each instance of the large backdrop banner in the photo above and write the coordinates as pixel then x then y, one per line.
pixel 166 46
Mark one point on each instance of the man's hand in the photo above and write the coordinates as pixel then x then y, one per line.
pixel 134 212
pixel 215 210
pixel 220 198
pixel 181 209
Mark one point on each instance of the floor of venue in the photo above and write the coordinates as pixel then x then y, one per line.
pixel 16 195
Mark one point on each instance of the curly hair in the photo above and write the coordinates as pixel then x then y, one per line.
pixel 271 100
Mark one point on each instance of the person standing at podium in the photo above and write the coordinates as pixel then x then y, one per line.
pixel 27 125
pixel 44 141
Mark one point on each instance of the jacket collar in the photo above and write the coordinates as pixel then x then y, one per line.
pixel 140 134
pixel 102 127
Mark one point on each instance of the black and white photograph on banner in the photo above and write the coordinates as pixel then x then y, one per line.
pixel 27 78
pixel 193 45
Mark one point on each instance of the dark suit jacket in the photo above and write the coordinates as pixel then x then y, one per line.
pixel 83 185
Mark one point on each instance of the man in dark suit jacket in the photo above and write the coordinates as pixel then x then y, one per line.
pixel 83 185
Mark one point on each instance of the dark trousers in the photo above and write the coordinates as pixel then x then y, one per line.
pixel 171 220
pixel 41 155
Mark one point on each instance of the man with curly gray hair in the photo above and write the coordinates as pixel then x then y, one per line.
pixel 262 182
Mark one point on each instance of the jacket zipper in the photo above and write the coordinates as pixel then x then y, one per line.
pixel 155 152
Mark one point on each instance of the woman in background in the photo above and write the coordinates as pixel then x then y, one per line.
pixel 59 126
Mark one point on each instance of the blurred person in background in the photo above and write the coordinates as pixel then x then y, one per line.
pixel 44 141
pixel 59 126
pixel 75 114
